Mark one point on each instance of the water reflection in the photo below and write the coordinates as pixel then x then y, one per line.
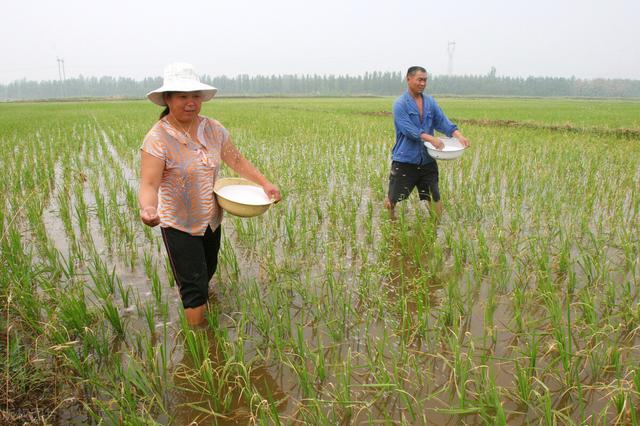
pixel 218 390
pixel 411 244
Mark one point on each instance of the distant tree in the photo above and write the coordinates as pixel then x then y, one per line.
pixel 370 83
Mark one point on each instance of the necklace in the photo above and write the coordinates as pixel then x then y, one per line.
pixel 186 133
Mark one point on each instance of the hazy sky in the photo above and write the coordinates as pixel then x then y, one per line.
pixel 586 39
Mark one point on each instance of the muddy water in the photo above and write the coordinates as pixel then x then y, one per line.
pixel 405 270
pixel 184 398
pixel 190 405
pixel 407 274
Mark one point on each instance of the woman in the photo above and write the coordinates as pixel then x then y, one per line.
pixel 180 158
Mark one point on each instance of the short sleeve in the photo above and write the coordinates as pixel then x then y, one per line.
pixel 221 134
pixel 224 135
pixel 154 143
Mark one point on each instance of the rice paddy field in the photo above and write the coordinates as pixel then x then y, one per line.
pixel 519 306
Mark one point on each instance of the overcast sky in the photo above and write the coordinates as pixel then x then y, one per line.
pixel 137 38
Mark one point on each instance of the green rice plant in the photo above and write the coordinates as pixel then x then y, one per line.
pixel 547 410
pixel 343 387
pixel 305 379
pixel 112 314
pixel 587 307
pixel 148 233
pixel 561 334
pixel 450 312
pixel 64 206
pixel 489 312
pixel 525 376
pixel 169 272
pixel 125 293
pixel 104 219
pixel 105 282
pixel 461 367
pixel 132 198
pixel 614 361
pixel 523 383
pixel 130 403
pixel 320 366
pixel 81 212
pixel 156 287
pixel 533 271
pixel 597 357
pixel 229 260
pixel 72 358
pixel 518 309
pixel 148 311
pixel 196 345
pixel 74 313
pixel 34 214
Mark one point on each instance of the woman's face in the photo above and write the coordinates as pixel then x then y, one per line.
pixel 184 106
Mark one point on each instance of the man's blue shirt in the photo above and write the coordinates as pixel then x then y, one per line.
pixel 409 148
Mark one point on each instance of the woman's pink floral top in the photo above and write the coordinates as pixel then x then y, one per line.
pixel 186 200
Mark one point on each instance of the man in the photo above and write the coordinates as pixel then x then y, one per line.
pixel 415 117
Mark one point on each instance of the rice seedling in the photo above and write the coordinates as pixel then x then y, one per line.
pixel 519 306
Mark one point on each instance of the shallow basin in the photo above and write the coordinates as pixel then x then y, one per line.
pixel 241 197
pixel 452 149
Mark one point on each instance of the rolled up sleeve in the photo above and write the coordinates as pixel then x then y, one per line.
pixel 440 121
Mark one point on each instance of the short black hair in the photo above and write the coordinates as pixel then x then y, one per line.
pixel 414 69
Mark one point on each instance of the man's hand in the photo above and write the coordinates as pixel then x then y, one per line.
pixel 149 216
pixel 438 144
pixel 464 141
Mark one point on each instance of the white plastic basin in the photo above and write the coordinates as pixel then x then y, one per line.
pixel 452 149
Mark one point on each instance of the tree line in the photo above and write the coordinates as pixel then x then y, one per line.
pixel 374 84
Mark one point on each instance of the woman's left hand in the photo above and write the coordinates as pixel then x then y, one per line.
pixel 272 192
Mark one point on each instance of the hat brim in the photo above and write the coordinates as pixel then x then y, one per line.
pixel 208 92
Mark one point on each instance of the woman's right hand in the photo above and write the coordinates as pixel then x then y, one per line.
pixel 272 192
pixel 149 216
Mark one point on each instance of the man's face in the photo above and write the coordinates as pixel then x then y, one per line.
pixel 417 82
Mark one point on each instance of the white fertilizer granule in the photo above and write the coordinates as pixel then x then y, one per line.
pixel 244 194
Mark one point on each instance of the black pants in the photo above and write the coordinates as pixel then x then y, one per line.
pixel 404 177
pixel 194 260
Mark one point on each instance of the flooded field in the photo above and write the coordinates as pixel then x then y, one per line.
pixel 520 306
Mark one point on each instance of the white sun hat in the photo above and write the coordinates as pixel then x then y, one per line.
pixel 181 77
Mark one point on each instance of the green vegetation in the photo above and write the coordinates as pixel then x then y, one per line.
pixel 375 83
pixel 520 306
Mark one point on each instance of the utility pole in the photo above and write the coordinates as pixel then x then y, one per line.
pixel 451 47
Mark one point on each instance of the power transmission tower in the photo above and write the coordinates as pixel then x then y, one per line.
pixel 61 74
pixel 58 60
pixel 451 47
